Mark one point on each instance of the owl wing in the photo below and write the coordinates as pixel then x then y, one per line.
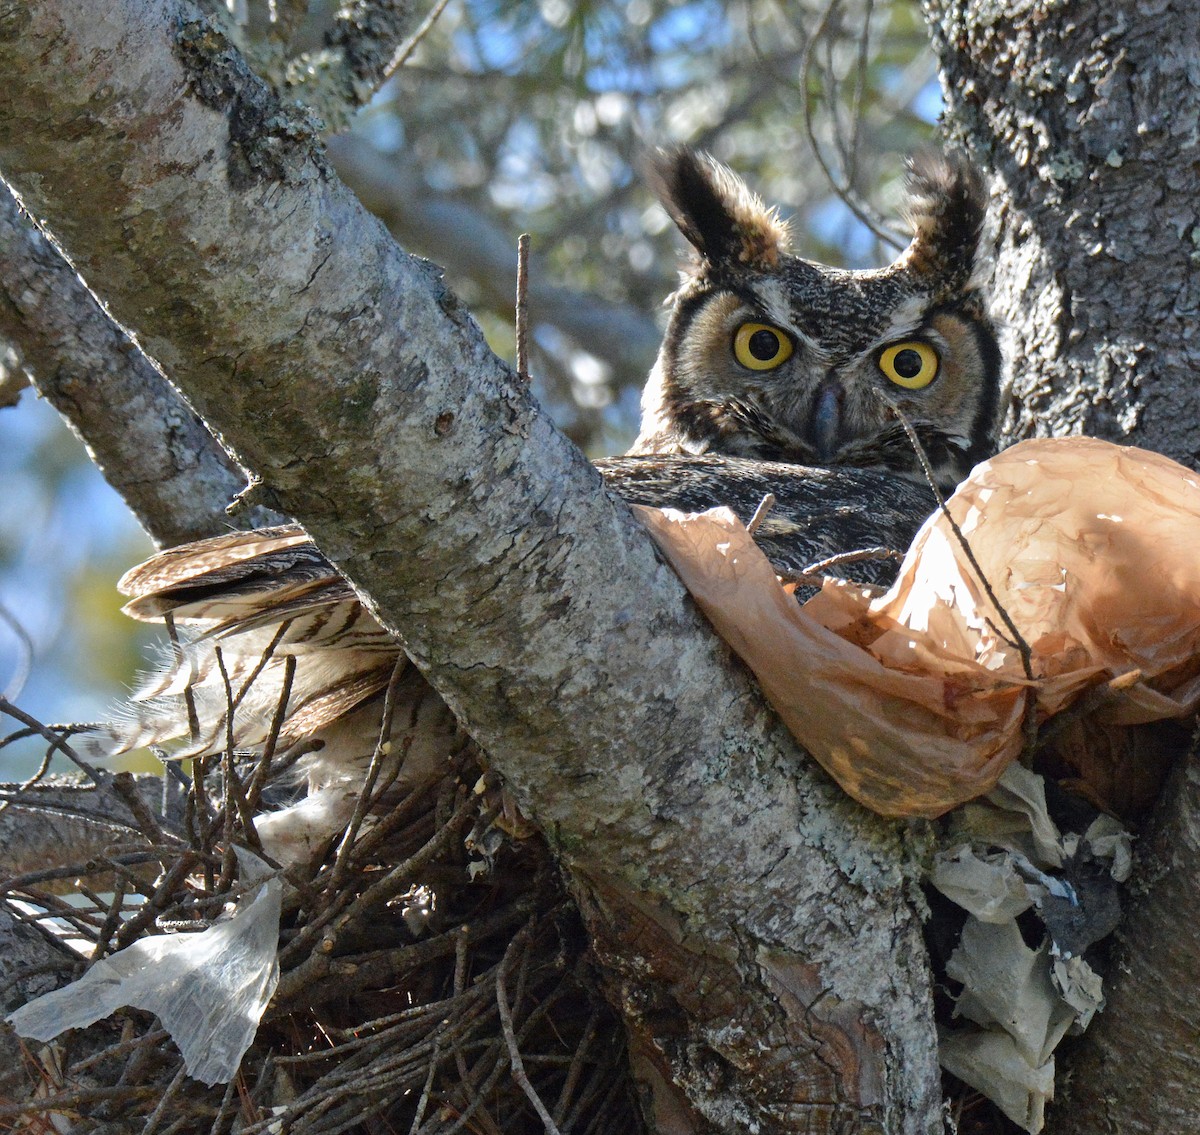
pixel 268 621
pixel 264 615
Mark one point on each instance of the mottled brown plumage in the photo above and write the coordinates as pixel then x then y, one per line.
pixel 771 356
pixel 263 614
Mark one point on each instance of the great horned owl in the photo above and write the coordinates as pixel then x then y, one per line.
pixel 768 361
pixel 771 356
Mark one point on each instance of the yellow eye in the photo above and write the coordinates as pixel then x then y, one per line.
pixel 912 365
pixel 760 346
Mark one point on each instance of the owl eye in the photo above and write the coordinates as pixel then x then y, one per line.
pixel 912 365
pixel 760 346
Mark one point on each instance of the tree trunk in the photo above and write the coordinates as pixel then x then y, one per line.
pixel 1088 114
pixel 760 929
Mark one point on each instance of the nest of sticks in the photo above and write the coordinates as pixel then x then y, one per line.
pixel 435 976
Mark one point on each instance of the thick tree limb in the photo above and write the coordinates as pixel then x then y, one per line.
pixel 1139 1070
pixel 63 819
pixel 1087 113
pixel 1086 116
pixel 756 922
pixel 150 446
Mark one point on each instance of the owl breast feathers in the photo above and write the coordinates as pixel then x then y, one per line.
pixel 771 356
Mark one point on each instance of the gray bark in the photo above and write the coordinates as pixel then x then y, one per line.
pixel 149 444
pixel 347 377
pixel 73 821
pixel 1088 113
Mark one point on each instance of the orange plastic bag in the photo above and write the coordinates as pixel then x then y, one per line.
pixel 914 701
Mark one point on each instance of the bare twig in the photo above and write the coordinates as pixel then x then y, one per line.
pixel 189 699
pixel 523 307
pixel 156 1116
pixel 24 666
pixel 760 514
pixel 814 575
pixel 262 773
pixel 366 795
pixel 405 50
pixel 823 567
pixel 1018 641
pixel 809 83
pixel 510 1039
pixel 58 742
pixel 125 787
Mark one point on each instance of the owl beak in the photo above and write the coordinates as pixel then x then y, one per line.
pixel 825 425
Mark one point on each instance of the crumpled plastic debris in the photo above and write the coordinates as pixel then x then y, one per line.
pixel 1002 855
pixel 992 1063
pixel 209 989
pixel 914 701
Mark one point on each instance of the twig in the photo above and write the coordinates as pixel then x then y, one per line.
pixel 152 1039
pixel 79 1101
pixel 160 900
pixel 58 742
pixel 112 920
pixel 1017 641
pixel 571 1082
pixel 235 795
pixel 423 1102
pixel 822 567
pixel 261 664
pixel 523 308
pixel 366 795
pixel 840 185
pixel 228 806
pixel 510 1039
pixel 38 773
pixel 760 514
pixel 259 780
pixel 24 664
pixel 124 786
pixel 189 699
pixel 226 1100
pixel 405 50
pixel 155 1117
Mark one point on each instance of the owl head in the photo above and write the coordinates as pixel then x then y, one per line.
pixel 772 356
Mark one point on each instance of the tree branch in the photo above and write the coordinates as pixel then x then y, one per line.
pixel 63 819
pixel 1099 293
pixel 150 446
pixel 742 902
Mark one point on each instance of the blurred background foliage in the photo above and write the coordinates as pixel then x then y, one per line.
pixel 514 116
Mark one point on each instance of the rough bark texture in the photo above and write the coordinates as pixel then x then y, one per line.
pixel 1139 1072
pixel 1089 115
pixel 347 377
pixel 74 821
pixel 150 446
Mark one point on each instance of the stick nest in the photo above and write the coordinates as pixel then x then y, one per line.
pixel 435 976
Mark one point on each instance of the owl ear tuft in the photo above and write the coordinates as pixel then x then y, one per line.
pixel 947 201
pixel 721 218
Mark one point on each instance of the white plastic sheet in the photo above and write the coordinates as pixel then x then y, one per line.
pixel 209 989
